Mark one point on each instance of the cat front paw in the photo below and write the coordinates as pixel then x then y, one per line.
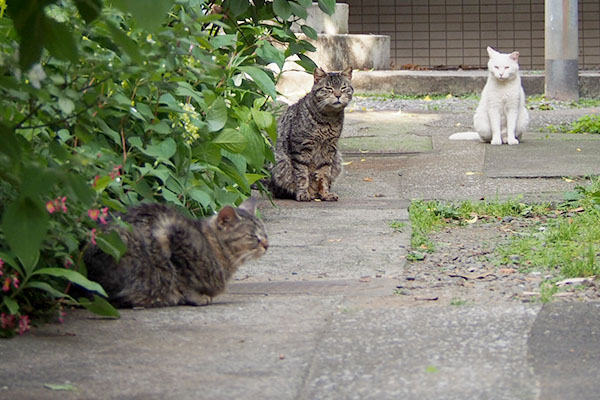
pixel 496 142
pixel 512 141
pixel 329 197
pixel 303 196
pixel 196 299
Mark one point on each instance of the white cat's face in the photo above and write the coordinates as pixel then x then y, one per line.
pixel 503 66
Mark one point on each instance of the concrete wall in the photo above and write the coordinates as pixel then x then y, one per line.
pixel 455 33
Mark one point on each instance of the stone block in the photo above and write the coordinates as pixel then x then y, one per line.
pixel 336 52
pixel 323 23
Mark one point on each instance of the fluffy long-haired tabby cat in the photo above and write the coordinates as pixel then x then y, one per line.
pixel 501 116
pixel 172 259
pixel 307 160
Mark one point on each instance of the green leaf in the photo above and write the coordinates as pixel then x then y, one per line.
pixel 254 151
pixel 228 168
pixel 298 10
pixel 11 305
pixel 25 223
pixel 231 140
pixel 48 289
pixel 262 80
pixel 310 32
pixel 112 244
pixel 327 6
pixel 149 14
pixel 72 276
pixel 128 45
pixel 28 20
pixel 66 105
pixel 238 7
pixel 161 151
pixel 161 172
pixel 89 9
pixel 306 63
pixel 59 40
pixel 99 306
pixel 10 145
pixel 282 9
pixel 171 197
pixel 269 54
pixel 263 119
pixel 216 115
pixel 200 196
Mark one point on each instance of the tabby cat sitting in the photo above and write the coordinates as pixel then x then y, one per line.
pixel 307 160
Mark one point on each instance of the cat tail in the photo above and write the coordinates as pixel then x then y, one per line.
pixel 465 136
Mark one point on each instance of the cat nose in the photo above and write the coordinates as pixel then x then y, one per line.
pixel 264 243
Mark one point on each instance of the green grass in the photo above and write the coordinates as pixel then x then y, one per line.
pixel 585 124
pixel 567 243
pixel 428 216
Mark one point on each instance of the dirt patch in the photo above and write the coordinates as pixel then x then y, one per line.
pixel 465 269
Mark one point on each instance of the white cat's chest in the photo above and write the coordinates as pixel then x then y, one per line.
pixel 507 94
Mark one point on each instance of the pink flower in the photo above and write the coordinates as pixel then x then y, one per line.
pixel 93 236
pixel 61 315
pixel 94 213
pixel 116 171
pixel 6 285
pixel 104 215
pixel 96 179
pixel 68 263
pixel 7 321
pixel 23 324
pixel 63 204
pixel 1 267
pixel 15 282
pixel 50 207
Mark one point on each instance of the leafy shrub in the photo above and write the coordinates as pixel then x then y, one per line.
pixel 105 106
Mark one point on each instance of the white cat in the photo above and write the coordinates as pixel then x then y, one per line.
pixel 501 116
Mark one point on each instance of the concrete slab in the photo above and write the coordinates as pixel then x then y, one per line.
pixel 384 132
pixel 564 350
pixel 425 353
pixel 544 158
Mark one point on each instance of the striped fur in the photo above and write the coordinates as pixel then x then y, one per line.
pixel 307 160
pixel 172 259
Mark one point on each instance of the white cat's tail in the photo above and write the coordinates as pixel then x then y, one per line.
pixel 465 136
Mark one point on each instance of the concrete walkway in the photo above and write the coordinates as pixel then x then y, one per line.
pixel 318 317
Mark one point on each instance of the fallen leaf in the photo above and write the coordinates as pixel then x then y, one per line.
pixel 363 151
pixel 426 298
pixel 568 180
pixel 368 179
pixel 473 219
pixel 449 96
pixel 572 281
pixel 282 356
pixel 365 279
pixel 469 173
pixel 347 162
pixel 563 294
pixel 578 149
pixel 531 294
pixel 363 159
pixel 507 271
pixel 334 240
pixel 317 200
pixel 65 386
pixel 427 98
pixel 432 369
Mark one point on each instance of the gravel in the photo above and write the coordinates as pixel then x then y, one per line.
pixel 464 269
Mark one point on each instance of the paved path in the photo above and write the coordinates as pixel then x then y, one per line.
pixel 317 317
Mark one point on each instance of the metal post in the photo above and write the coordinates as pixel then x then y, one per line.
pixel 561 50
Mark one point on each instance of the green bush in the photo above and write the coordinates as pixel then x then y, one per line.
pixel 108 104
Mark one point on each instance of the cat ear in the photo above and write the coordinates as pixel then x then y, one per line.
pixel 249 205
pixel 226 216
pixel 514 55
pixel 319 74
pixel 491 52
pixel 347 73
